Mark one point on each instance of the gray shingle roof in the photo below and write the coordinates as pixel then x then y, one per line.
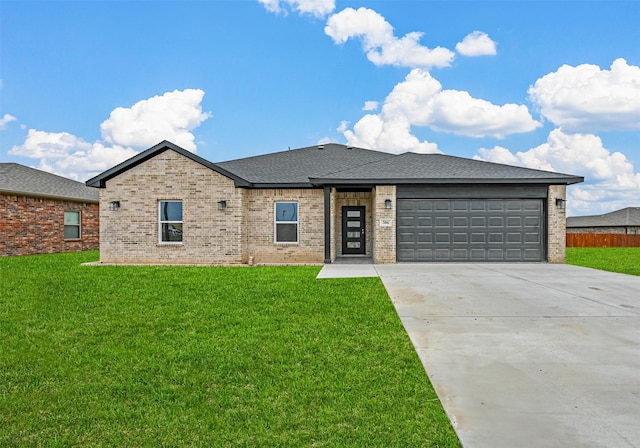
pixel 335 164
pixel 298 165
pixel 24 181
pixel 439 168
pixel 629 216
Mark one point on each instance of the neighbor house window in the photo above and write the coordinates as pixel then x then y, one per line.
pixel 170 223
pixel 286 222
pixel 71 225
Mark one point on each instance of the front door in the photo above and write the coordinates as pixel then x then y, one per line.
pixel 353 230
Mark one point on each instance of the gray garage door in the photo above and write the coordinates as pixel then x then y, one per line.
pixel 470 230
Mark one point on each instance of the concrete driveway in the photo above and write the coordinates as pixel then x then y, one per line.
pixel 526 355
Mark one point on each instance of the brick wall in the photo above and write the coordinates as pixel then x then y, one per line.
pixel 30 225
pixel 261 246
pixel 557 225
pixel 242 233
pixel 210 236
pixel 385 237
pixel 353 199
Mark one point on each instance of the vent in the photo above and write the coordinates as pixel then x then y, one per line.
pixel 320 146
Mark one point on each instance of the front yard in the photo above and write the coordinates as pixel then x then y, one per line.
pixel 625 260
pixel 201 356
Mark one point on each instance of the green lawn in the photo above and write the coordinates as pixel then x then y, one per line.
pixel 617 259
pixel 201 356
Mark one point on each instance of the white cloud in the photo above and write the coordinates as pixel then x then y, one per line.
pixel 379 43
pixel 70 156
pixel 476 44
pixel 586 98
pixel 393 136
pixel 458 112
pixel 171 116
pixel 609 177
pixel 370 105
pixel 317 8
pixel 6 119
pixel 420 101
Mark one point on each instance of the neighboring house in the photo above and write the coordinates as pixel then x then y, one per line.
pixel 625 221
pixel 44 213
pixel 316 204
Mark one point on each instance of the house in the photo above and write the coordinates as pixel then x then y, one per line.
pixel 325 202
pixel 43 213
pixel 625 221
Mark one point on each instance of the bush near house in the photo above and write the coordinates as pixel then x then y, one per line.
pixel 202 356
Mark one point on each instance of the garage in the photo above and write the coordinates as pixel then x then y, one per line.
pixel 484 228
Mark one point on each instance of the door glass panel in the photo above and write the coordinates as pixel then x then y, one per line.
pixel 353 213
pixel 353 234
pixel 353 223
pixel 353 245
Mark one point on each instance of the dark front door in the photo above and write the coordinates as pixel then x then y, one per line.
pixel 353 230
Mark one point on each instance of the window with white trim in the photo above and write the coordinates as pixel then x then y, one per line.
pixel 170 222
pixel 72 225
pixel 286 222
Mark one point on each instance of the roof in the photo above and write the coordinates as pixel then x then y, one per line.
pixel 438 168
pixel 299 165
pixel 25 181
pixel 629 216
pixel 335 164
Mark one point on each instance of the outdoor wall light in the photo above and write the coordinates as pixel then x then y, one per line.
pixel 561 203
pixel 387 203
pixel 222 205
pixel 114 205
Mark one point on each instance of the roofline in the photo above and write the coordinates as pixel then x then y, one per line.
pixel 48 196
pixel 281 185
pixel 100 180
pixel 403 181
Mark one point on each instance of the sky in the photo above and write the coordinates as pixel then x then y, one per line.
pixel 552 85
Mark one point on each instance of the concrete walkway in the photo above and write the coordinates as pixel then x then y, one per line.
pixel 532 355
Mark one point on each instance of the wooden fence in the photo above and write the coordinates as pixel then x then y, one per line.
pixel 602 240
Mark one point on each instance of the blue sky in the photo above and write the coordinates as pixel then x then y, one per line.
pixel 545 84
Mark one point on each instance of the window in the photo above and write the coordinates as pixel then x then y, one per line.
pixel 170 223
pixel 286 222
pixel 71 225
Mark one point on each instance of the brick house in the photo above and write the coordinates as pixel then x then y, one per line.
pixel 624 221
pixel 42 213
pixel 322 203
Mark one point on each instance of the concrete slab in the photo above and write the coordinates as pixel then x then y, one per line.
pixel 347 271
pixel 537 355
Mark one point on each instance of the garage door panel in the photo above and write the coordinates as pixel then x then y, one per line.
pixel 470 230
pixel 425 221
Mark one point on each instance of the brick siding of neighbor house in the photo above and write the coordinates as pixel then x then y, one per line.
pixel 210 236
pixel 557 227
pixel 261 245
pixel 35 225
pixel 353 199
pixel 385 237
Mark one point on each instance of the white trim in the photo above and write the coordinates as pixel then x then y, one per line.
pixel 275 223
pixel 79 225
pixel 160 222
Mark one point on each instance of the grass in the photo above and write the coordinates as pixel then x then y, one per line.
pixel 625 260
pixel 197 356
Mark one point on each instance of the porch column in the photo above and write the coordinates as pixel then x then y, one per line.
pixel 327 225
